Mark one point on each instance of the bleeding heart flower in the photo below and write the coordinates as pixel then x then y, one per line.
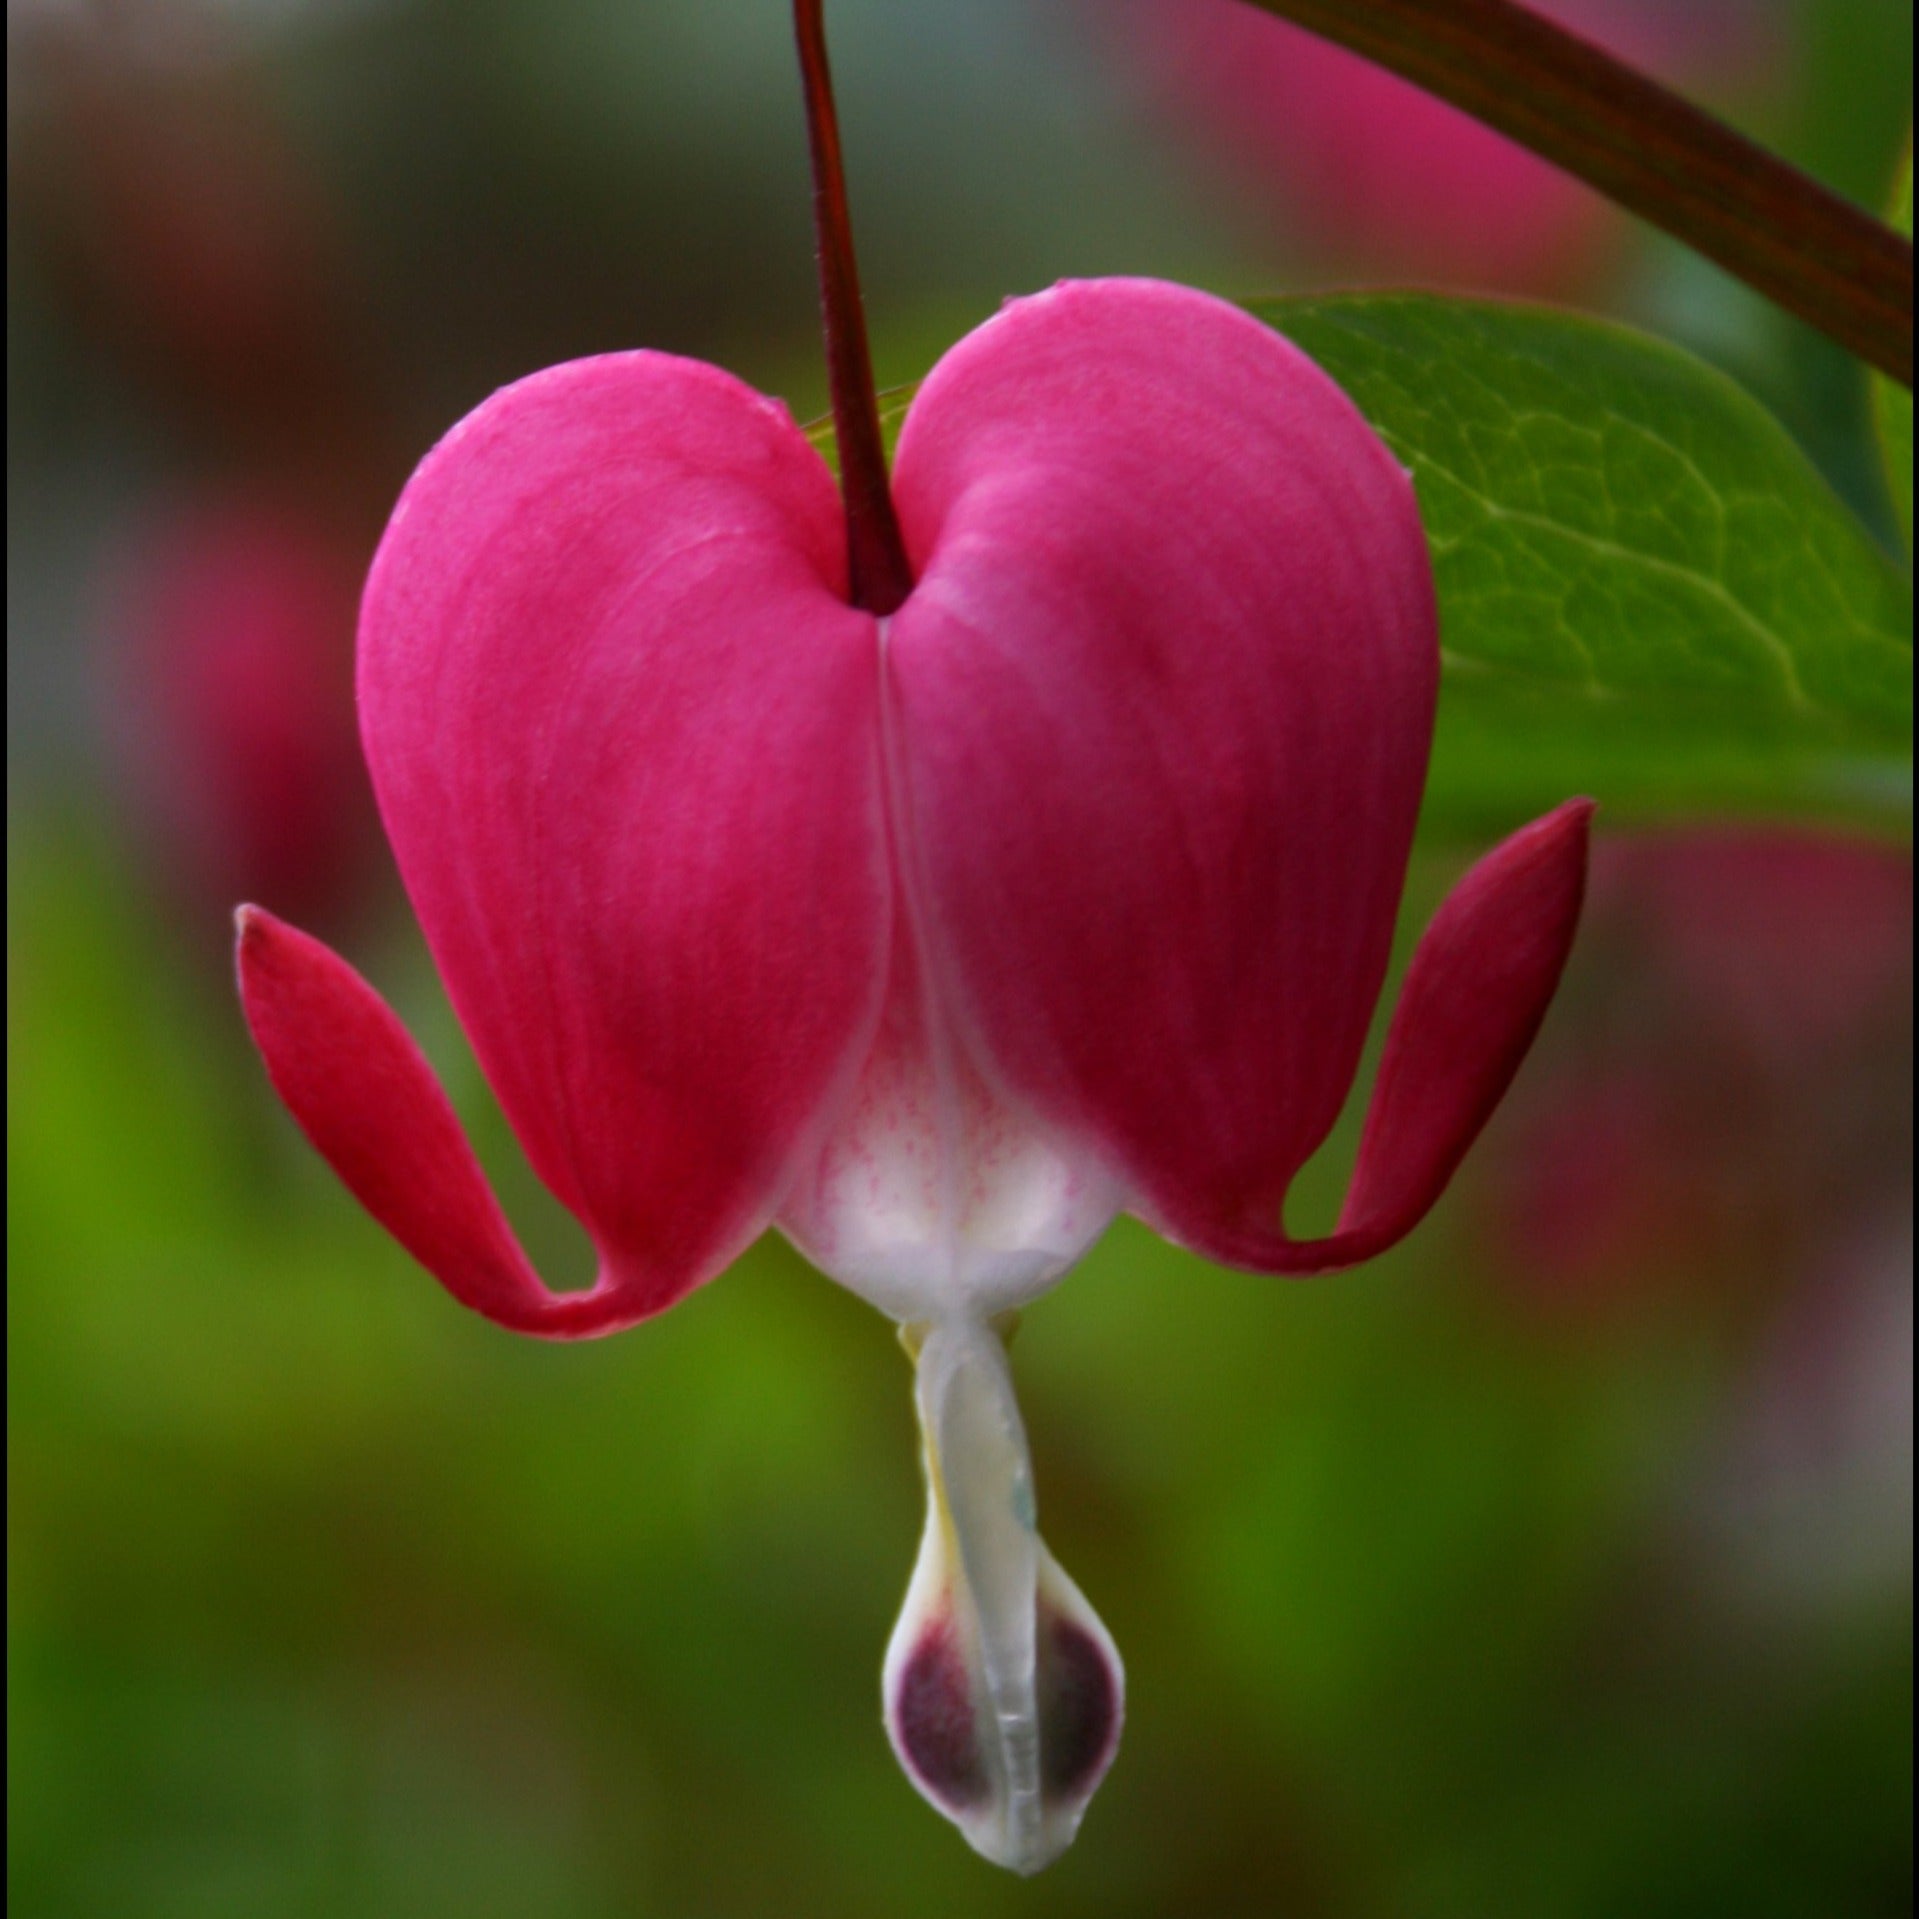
pixel 934 906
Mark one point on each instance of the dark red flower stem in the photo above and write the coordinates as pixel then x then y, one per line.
pixel 1784 234
pixel 879 575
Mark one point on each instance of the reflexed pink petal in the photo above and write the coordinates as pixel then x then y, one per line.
pixel 1480 982
pixel 1165 691
pixel 623 729
pixel 368 1101
pixel 1479 985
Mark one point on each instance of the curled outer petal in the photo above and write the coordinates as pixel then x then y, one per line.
pixel 350 1073
pixel 622 728
pixel 1478 987
pixel 1166 690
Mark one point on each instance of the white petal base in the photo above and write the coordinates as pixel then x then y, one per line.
pixel 1004 1693
pixel 933 1197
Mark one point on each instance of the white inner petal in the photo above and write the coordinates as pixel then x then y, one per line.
pixel 1004 1693
pixel 932 1196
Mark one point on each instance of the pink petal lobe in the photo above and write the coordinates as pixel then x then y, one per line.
pixel 623 729
pixel 1479 984
pixel 363 1094
pixel 1165 693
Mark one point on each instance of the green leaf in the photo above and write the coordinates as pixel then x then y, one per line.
pixel 893 404
pixel 1648 593
pixel 1892 403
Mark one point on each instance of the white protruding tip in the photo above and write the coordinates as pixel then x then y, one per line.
pixel 1004 1692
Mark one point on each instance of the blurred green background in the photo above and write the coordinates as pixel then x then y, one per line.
pixel 1558 1564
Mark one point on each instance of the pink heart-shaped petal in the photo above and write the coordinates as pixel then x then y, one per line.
pixel 622 726
pixel 1166 692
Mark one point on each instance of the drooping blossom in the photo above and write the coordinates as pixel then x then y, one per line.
pixel 1368 169
pixel 933 895
pixel 935 939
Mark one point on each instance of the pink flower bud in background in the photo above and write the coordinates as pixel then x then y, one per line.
pixel 231 704
pixel 160 190
pixel 1365 168
pixel 1739 1090
pixel 1794 948
pixel 1600 1193
pixel 165 198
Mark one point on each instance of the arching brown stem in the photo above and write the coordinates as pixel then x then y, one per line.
pixel 1639 143
pixel 879 575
